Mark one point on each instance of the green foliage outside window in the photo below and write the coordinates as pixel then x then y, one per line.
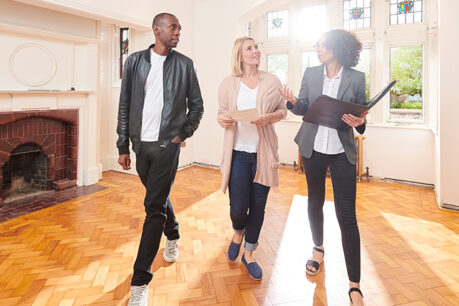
pixel 406 68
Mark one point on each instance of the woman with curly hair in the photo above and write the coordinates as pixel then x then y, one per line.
pixel 323 147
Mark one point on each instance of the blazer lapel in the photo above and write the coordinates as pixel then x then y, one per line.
pixel 345 82
pixel 318 81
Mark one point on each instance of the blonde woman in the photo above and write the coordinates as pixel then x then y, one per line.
pixel 250 149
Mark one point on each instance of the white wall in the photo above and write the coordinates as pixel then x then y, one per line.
pixel 448 97
pixel 214 36
pixel 400 153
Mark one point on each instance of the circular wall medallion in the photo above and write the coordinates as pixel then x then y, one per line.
pixel 32 65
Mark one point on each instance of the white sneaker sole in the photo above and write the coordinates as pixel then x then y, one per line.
pixel 169 259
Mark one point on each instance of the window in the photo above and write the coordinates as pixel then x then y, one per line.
pixel 124 48
pixel 309 59
pixel 400 44
pixel 365 66
pixel 405 11
pixel 278 65
pixel 313 22
pixel 357 14
pixel 406 96
pixel 278 24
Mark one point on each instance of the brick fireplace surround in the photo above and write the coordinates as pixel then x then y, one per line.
pixel 54 131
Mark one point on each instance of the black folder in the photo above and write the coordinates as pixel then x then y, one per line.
pixel 328 111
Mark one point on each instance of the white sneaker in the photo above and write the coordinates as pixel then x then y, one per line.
pixel 171 251
pixel 139 296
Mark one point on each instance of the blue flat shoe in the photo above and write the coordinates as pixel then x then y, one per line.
pixel 233 249
pixel 254 269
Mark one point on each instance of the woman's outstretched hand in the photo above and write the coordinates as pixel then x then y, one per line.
pixel 353 120
pixel 287 94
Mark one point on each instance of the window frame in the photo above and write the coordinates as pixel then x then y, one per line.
pixel 424 87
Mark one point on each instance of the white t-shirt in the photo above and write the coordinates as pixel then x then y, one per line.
pixel 154 99
pixel 327 140
pixel 246 133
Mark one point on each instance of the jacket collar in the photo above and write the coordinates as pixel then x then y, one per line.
pixel 318 81
pixel 147 53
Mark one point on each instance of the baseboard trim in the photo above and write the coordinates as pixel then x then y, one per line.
pixel 402 182
pixel 450 206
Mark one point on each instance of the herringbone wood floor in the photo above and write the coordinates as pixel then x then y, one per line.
pixel 81 252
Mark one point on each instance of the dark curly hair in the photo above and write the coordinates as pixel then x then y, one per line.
pixel 345 45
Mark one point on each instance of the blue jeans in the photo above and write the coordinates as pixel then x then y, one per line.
pixel 247 199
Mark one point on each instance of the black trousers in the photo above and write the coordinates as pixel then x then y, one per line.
pixel 343 176
pixel 157 167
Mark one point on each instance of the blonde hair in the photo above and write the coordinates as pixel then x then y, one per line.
pixel 236 63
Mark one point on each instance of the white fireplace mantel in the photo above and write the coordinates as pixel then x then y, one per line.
pixel 89 169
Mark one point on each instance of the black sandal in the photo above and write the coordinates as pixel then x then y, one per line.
pixel 352 290
pixel 314 263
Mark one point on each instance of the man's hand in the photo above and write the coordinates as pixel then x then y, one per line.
pixel 287 94
pixel 176 139
pixel 353 120
pixel 262 121
pixel 224 121
pixel 125 161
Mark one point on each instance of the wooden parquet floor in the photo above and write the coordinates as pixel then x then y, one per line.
pixel 81 252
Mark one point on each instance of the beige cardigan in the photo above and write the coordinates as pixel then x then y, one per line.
pixel 268 101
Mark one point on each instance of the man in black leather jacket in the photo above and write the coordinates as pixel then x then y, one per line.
pixel 159 85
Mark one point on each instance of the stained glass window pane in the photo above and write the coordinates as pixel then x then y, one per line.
pixel 278 23
pixel 124 48
pixel 357 14
pixel 314 19
pixel 278 65
pixel 405 11
pixel 365 66
pixel 406 97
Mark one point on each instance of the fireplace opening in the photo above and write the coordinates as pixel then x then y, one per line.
pixel 26 173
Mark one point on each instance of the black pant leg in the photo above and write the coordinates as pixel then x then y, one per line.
pixel 171 228
pixel 315 169
pixel 343 176
pixel 156 167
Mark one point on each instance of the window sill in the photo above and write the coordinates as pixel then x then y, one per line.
pixel 398 125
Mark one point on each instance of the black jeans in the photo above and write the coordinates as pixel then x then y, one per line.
pixel 247 199
pixel 157 167
pixel 343 176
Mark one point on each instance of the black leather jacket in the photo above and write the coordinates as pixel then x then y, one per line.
pixel 181 91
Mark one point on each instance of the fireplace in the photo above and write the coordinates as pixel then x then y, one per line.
pixel 38 151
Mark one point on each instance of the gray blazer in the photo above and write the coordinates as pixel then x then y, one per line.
pixel 351 89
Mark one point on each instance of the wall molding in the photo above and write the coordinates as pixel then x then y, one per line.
pixel 26 77
pixel 71 7
pixel 46 34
